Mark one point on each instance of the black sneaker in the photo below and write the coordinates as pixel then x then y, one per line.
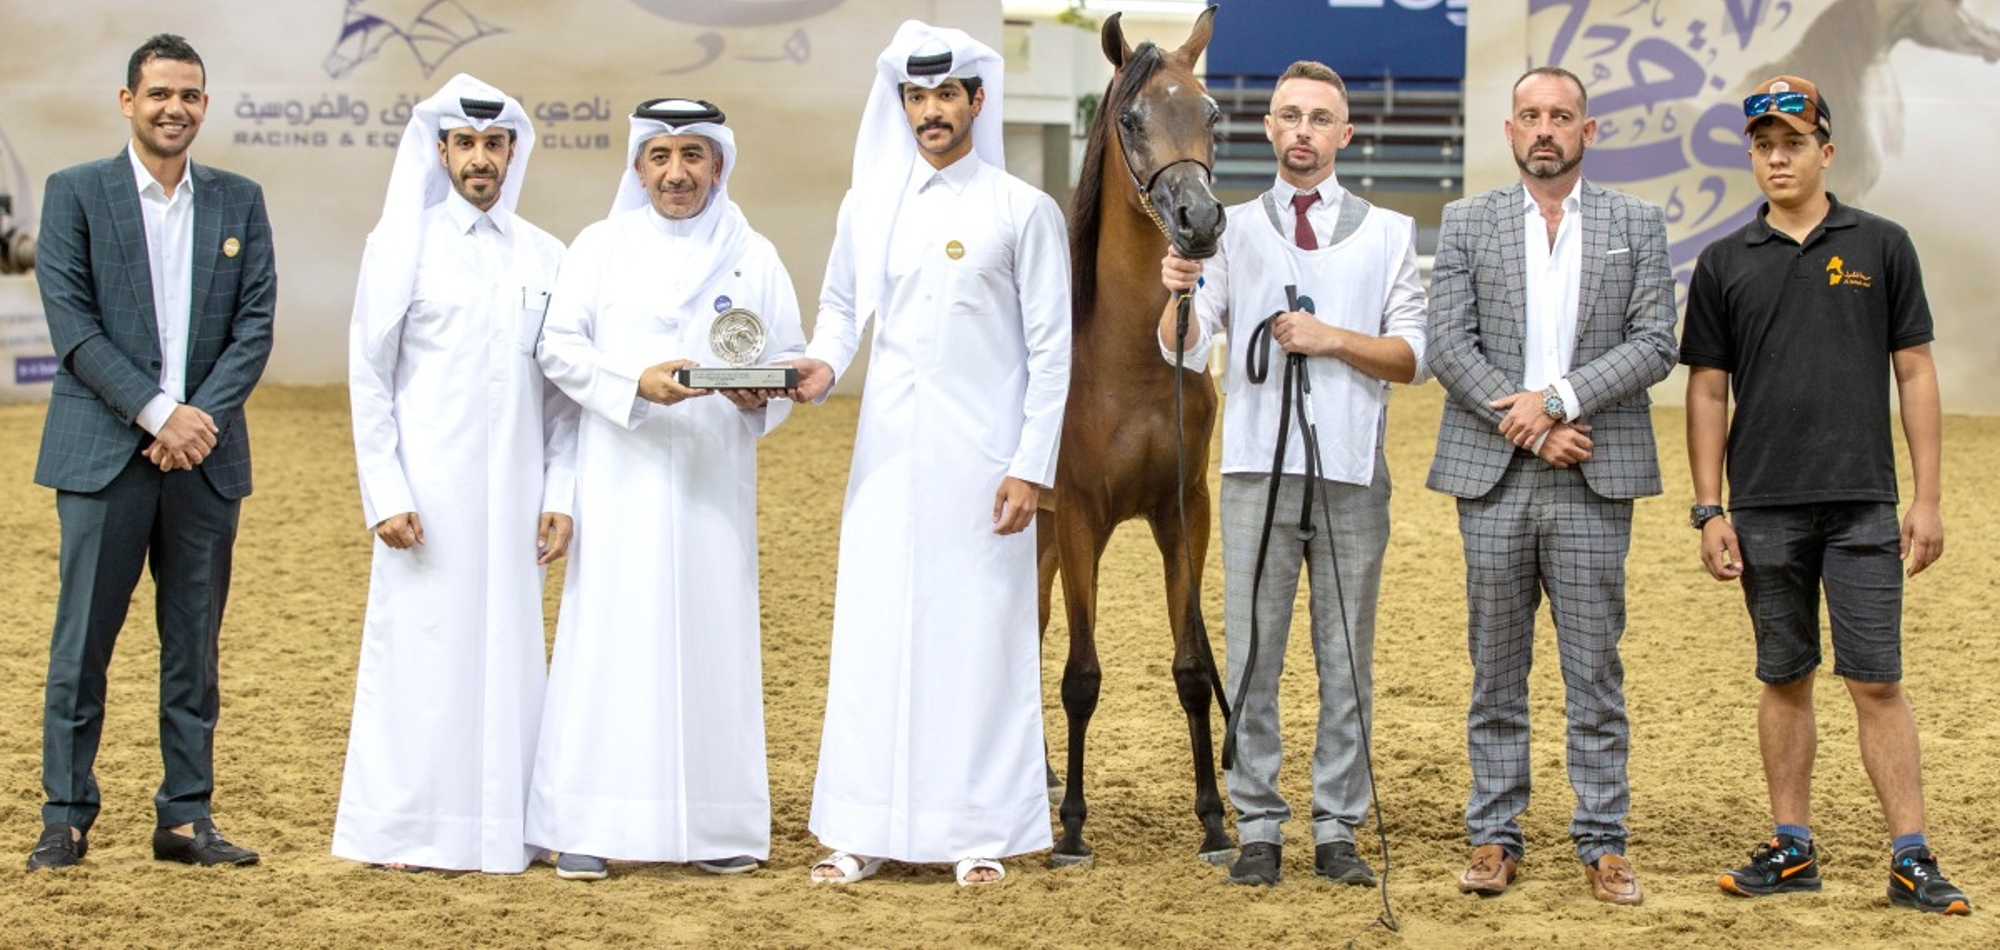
pixel 1337 862
pixel 1782 866
pixel 1257 863
pixel 1915 882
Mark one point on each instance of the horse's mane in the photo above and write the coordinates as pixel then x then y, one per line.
pixel 1085 213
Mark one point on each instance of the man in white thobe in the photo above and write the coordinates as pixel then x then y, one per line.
pixel 932 746
pixel 652 745
pixel 464 453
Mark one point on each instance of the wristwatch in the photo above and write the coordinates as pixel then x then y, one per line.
pixel 1552 404
pixel 1699 515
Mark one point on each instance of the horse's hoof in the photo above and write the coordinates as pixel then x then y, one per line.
pixel 1058 859
pixel 1223 856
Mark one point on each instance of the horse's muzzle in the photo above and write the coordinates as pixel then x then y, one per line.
pixel 1192 215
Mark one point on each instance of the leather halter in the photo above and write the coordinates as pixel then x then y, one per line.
pixel 1146 190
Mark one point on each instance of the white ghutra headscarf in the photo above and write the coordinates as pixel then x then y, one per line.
pixel 885 149
pixel 713 240
pixel 419 180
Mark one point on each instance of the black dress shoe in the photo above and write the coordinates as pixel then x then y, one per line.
pixel 57 848
pixel 207 847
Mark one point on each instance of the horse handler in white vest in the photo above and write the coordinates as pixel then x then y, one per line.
pixel 652 745
pixel 1362 330
pixel 465 461
pixel 932 745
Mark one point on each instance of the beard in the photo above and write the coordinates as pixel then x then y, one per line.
pixel 160 143
pixel 478 193
pixel 1555 167
pixel 1302 165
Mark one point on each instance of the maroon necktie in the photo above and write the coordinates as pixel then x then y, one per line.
pixel 1302 231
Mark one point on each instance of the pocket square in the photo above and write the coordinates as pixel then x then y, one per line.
pixel 1617 251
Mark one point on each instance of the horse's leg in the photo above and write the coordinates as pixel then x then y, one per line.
pixel 1082 540
pixel 1193 658
pixel 1045 569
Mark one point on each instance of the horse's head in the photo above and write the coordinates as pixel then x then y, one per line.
pixel 1948 25
pixel 1162 123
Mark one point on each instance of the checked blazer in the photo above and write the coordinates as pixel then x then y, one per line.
pixel 1478 326
pixel 97 289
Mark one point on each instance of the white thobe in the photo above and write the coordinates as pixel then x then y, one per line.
pixel 453 420
pixel 652 745
pixel 932 744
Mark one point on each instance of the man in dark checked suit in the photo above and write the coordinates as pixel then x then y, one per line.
pixel 157 277
pixel 1552 311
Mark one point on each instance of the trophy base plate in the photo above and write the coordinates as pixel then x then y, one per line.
pixel 735 377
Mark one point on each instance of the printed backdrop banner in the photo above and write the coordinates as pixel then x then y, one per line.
pixel 1910 84
pixel 309 98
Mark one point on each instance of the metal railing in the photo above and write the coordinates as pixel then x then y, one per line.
pixel 1408 135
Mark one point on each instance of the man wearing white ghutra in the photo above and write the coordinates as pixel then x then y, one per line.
pixel 465 458
pixel 652 745
pixel 932 745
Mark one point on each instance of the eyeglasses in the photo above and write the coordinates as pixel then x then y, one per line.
pixel 1322 120
pixel 1791 103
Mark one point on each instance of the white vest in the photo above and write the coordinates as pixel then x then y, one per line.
pixel 1349 284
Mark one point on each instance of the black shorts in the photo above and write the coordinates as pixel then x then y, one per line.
pixel 1851 549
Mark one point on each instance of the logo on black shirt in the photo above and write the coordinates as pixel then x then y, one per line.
pixel 1838 274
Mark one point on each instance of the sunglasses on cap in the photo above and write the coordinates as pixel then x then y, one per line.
pixel 1791 103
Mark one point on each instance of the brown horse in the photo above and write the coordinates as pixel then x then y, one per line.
pixel 1122 448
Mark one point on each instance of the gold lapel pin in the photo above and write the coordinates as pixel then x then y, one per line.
pixel 231 247
pixel 954 250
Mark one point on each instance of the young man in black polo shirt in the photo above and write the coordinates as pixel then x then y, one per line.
pixel 1803 315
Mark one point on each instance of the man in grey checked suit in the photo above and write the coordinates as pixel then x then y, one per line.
pixel 1552 311
pixel 157 278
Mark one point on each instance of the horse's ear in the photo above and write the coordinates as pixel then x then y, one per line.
pixel 1197 41
pixel 1115 48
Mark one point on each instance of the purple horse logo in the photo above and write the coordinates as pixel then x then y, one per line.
pixel 432 29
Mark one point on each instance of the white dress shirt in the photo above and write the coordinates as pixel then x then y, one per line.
pixel 1554 274
pixel 170 255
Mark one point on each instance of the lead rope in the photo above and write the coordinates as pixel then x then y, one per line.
pixel 1296 386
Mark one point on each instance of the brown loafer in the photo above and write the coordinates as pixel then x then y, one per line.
pixel 1613 881
pixel 1492 869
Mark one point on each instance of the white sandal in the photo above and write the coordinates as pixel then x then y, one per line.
pixel 852 868
pixel 965 867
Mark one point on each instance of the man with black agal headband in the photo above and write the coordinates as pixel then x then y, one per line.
pixel 652 744
pixel 932 748
pixel 464 454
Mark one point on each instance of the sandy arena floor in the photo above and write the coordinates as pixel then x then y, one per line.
pixel 291 642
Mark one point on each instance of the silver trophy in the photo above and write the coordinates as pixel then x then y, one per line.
pixel 737 337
